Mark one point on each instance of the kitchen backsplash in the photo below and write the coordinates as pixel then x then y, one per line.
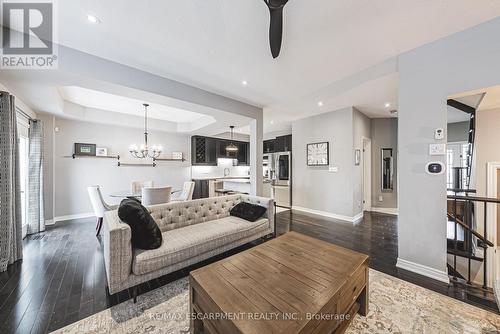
pixel 218 171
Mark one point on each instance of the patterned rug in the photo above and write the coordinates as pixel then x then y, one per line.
pixel 396 306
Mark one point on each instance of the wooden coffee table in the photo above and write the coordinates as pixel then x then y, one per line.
pixel 291 284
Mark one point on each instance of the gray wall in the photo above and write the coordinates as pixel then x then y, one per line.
pixel 458 132
pixel 361 130
pixel 427 77
pixel 72 177
pixel 384 135
pixel 315 187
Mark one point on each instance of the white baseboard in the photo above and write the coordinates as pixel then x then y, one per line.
pixel 49 222
pixel 350 219
pixel 423 270
pixel 389 211
pixel 70 217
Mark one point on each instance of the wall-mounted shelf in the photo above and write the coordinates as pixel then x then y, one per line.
pixel 74 156
pixel 121 164
pixel 169 159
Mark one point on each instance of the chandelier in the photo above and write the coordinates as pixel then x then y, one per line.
pixel 231 148
pixel 144 151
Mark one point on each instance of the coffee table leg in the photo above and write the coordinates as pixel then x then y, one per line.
pixel 196 326
pixel 363 301
pixel 364 298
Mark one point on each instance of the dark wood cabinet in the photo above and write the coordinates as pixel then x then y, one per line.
pixel 269 146
pixel 206 150
pixel 201 189
pixel 243 154
pixel 283 143
pixel 203 151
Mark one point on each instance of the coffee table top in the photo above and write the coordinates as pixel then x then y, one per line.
pixel 293 274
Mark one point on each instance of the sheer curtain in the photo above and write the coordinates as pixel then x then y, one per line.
pixel 10 196
pixel 36 219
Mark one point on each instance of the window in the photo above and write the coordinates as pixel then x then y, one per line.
pixel 23 130
pixel 449 165
pixel 457 158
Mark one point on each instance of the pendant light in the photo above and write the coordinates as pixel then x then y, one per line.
pixel 145 151
pixel 231 148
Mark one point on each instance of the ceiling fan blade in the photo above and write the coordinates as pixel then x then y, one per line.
pixel 276 30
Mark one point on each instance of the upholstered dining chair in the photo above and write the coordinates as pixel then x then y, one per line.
pixel 99 205
pixel 186 194
pixel 138 185
pixel 152 196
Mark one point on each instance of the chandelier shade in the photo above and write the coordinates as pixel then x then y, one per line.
pixel 231 148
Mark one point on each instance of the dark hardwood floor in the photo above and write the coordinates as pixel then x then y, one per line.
pixel 62 279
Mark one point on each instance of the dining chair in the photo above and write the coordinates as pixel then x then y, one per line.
pixel 152 196
pixel 138 185
pixel 99 205
pixel 186 194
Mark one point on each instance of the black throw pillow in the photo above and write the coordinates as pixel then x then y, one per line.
pixel 145 232
pixel 248 211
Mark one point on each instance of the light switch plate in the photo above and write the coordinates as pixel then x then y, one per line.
pixel 333 169
pixel 437 149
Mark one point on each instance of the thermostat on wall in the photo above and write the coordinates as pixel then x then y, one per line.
pixel 439 134
pixel 435 168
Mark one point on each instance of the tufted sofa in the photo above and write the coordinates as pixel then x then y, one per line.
pixel 192 231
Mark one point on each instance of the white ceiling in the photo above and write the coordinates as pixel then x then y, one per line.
pixel 99 100
pixel 217 44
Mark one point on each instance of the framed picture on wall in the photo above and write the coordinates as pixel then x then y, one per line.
pixel 318 154
pixel 85 149
pixel 357 157
pixel 101 152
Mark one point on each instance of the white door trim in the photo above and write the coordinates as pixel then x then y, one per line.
pixel 367 173
pixel 491 226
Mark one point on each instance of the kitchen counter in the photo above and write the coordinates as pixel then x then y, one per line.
pixel 222 178
pixel 236 181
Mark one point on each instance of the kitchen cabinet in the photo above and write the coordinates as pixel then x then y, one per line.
pixel 269 146
pixel 206 150
pixel 201 189
pixel 221 149
pixel 203 151
pixel 283 144
pixel 243 154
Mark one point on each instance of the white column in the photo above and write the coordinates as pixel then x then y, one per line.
pixel 256 152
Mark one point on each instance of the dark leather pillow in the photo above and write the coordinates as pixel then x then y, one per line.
pixel 248 211
pixel 145 232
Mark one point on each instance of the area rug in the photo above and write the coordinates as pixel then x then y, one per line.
pixel 396 306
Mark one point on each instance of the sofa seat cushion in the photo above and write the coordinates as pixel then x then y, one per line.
pixel 184 243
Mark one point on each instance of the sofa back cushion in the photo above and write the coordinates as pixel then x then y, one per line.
pixel 180 214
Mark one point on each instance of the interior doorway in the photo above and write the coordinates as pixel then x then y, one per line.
pixel 367 174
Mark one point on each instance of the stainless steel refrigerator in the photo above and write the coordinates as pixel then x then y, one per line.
pixel 278 177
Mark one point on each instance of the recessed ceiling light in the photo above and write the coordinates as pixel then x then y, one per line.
pixel 387 105
pixel 93 18
pixel 271 122
pixel 244 82
pixel 320 103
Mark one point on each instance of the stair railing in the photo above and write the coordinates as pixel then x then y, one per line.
pixel 469 203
